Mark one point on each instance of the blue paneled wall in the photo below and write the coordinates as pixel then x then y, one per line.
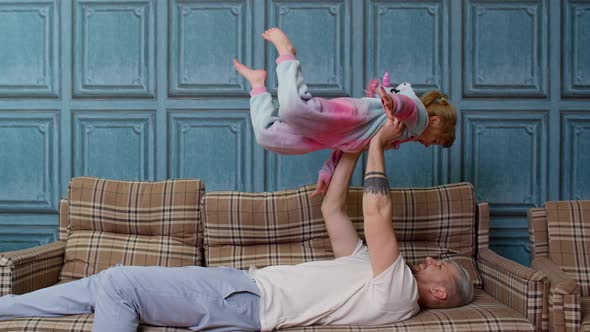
pixel 145 90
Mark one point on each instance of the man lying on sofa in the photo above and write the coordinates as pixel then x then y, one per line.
pixel 364 285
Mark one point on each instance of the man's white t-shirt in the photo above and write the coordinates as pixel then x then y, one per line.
pixel 342 291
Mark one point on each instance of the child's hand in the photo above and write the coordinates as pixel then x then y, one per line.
pixel 321 187
pixel 388 104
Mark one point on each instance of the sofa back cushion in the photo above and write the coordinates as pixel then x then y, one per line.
pixel 131 223
pixel 286 227
pixel 569 239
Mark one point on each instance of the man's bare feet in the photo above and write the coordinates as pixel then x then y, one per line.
pixel 255 77
pixel 280 41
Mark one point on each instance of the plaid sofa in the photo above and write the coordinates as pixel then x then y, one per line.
pixel 286 227
pixel 105 222
pixel 560 247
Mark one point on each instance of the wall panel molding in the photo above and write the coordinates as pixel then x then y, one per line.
pixel 575 155
pixel 410 40
pixel 114 144
pixel 215 147
pixel 29 181
pixel 576 49
pixel 511 177
pixel 116 43
pixel 30 57
pixel 200 63
pixel 507 59
pixel 325 58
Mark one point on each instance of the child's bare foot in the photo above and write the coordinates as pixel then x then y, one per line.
pixel 280 41
pixel 255 77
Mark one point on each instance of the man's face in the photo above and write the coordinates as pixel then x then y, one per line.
pixel 433 270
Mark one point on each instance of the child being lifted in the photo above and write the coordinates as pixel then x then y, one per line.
pixel 304 124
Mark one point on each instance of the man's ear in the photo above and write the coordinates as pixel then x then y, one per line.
pixel 439 293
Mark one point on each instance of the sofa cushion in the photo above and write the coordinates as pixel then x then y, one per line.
pixel 286 227
pixel 569 240
pixel 483 314
pixel 77 323
pixel 131 223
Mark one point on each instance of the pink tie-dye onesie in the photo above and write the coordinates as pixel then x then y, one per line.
pixel 304 124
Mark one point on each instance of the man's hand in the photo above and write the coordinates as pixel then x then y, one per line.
pixel 389 133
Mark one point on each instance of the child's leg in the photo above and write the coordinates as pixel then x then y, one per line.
pixel 76 297
pixel 330 121
pixel 270 131
pixel 293 94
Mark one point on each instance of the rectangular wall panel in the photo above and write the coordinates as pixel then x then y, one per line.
pixel 575 152
pixel 505 157
pixel 324 57
pixel 410 41
pixel 114 144
pixel 115 54
pixel 576 48
pixel 216 148
pixel 29 61
pixel 204 38
pixel 505 49
pixel 29 161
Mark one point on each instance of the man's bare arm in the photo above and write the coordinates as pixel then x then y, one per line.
pixel 343 236
pixel 377 208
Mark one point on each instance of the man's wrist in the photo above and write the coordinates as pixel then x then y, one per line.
pixel 377 142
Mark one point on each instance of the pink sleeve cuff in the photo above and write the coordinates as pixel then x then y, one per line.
pixel 284 58
pixel 257 91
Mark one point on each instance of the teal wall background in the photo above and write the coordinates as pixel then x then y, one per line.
pixel 145 90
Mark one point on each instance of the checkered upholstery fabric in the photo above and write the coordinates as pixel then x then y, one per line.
pixel 585 304
pixel 563 296
pixel 132 223
pixel 64 222
pixel 483 314
pixel 560 242
pixel 483 226
pixel 519 287
pixel 539 243
pixel 569 239
pixel 27 270
pixel 286 227
pixel 74 323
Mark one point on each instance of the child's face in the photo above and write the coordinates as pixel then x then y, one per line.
pixel 432 132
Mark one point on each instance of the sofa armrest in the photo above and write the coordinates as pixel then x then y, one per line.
pixel 564 296
pixel 30 269
pixel 521 288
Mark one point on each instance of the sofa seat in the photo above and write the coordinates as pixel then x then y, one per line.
pixel 72 323
pixel 483 314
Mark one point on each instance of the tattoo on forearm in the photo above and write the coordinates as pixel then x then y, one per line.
pixel 375 173
pixel 376 185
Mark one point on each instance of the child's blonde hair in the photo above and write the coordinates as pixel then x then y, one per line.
pixel 437 104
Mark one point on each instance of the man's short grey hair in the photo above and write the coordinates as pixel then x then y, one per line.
pixel 463 285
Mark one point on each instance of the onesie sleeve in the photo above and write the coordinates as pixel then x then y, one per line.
pixel 405 108
pixel 328 168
